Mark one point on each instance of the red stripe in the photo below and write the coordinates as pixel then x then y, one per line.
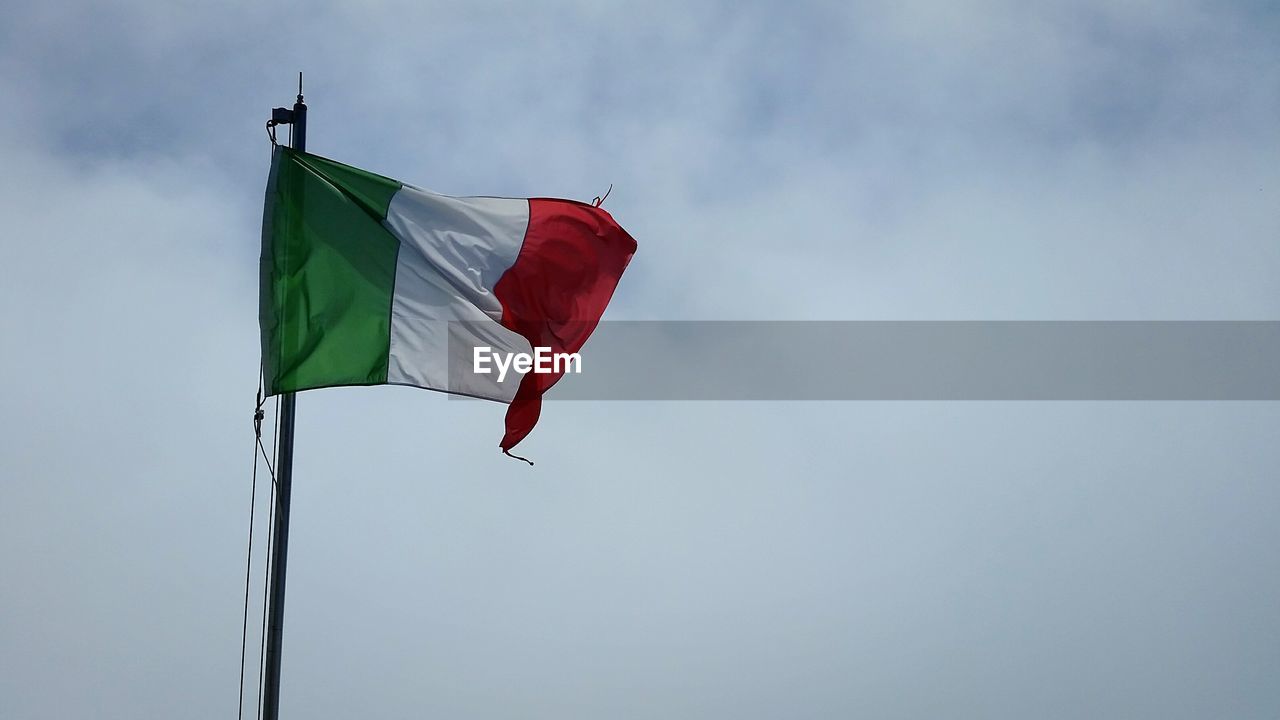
pixel 557 289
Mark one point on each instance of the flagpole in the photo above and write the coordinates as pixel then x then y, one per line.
pixel 284 480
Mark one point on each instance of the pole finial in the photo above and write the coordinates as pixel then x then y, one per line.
pixel 299 86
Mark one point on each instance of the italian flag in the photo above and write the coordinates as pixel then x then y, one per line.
pixel 368 281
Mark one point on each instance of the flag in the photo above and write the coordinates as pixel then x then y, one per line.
pixel 367 281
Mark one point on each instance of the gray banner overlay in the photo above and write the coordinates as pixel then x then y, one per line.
pixel 942 360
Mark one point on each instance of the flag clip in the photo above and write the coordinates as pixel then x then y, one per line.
pixel 279 116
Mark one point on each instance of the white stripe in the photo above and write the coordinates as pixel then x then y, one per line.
pixel 452 253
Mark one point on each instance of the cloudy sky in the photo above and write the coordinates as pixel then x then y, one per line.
pixel 976 159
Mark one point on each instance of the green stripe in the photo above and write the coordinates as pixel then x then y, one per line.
pixel 327 273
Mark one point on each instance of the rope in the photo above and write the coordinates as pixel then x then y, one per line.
pixel 258 415
pixel 510 454
pixel 266 571
pixel 266 459
pixel 600 200
pixel 248 560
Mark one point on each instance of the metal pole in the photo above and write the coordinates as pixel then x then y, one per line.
pixel 284 480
